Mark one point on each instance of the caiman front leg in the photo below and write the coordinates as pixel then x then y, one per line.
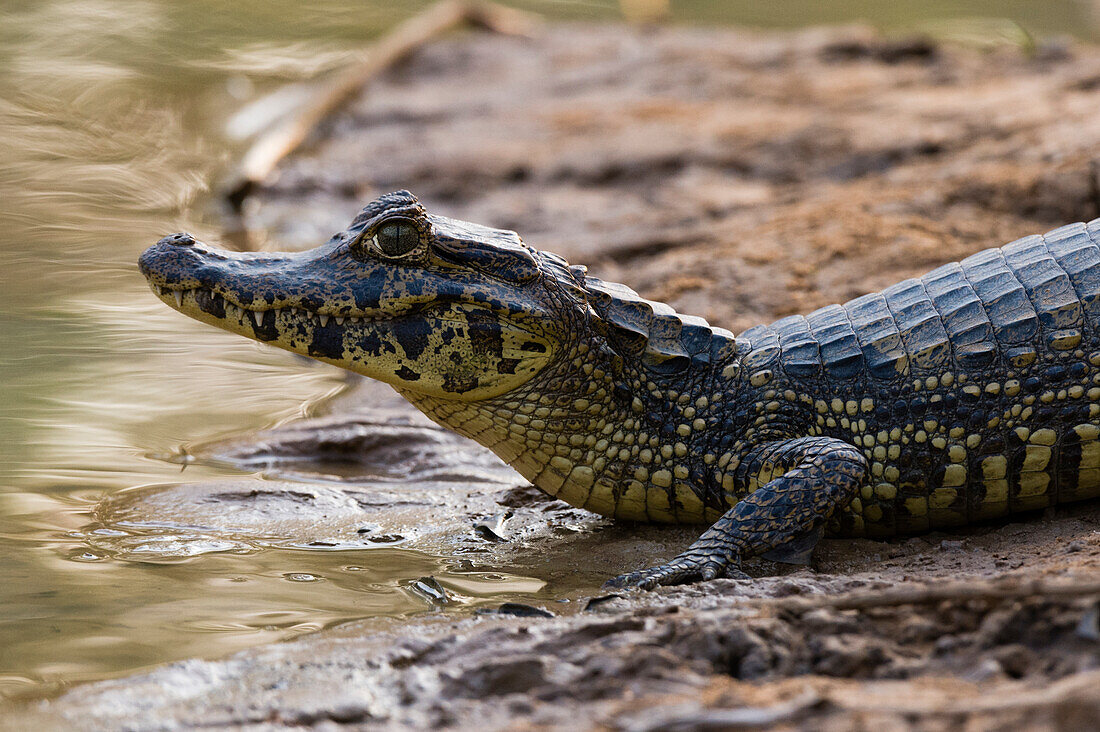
pixel 819 475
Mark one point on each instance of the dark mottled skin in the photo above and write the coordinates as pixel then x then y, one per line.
pixel 969 394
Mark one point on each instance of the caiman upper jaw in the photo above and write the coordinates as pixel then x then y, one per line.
pixel 430 325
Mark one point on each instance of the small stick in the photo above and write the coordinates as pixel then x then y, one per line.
pixel 275 144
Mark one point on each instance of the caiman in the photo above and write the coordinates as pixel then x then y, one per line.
pixel 967 395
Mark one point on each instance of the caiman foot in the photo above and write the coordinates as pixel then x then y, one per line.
pixel 691 566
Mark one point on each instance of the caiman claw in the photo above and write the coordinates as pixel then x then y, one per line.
pixel 684 569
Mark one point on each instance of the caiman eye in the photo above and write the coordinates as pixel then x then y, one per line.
pixel 396 238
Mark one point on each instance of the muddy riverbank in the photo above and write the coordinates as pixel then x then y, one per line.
pixel 739 176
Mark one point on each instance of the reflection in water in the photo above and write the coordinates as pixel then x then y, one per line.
pixel 112 117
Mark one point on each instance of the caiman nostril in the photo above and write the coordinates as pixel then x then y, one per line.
pixel 181 239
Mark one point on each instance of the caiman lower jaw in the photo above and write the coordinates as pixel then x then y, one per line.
pixel 460 352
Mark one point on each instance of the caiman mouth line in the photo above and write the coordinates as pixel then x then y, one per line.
pixel 210 302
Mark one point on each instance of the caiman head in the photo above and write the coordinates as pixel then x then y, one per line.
pixel 498 341
pixel 421 302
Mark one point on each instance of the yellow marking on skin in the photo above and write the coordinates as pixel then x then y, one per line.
pixel 1088 484
pixel 851 407
pixel 920 436
pixel 954 476
pixel 761 377
pixel 601 500
pixel 956 453
pixel 657 506
pixel 1065 340
pixel 553 475
pixel 1023 433
pixel 939 443
pixel 1033 484
pixel 1087 432
pixel 973 440
pixel 956 432
pixel 942 498
pixel 681 472
pixel 680 449
pixel 661 478
pixel 837 405
pixel 867 491
pixel 886 491
pixel 698 425
pixel 688 505
pixel 727 483
pixel 666 451
pixel 1043 437
pixel 930 425
pixel 1023 360
pixel 931 382
pixel 993 388
pixel 867 404
pixel 947 379
pixel 879 453
pixel 917 506
pixel 891 474
pixel 683 430
pixel 701 402
pixel 856 506
pixel 972 390
pixel 1012 387
pixel 822 407
pixel 877 469
pixel 1076 392
pixel 873 513
pixel 1093 393
pixel 994 467
pixel 868 440
pixel 1046 397
pixel 631 504
pixel 1094 358
pixel 1036 458
pixel 996 491
pixel 730 372
pixel 1090 456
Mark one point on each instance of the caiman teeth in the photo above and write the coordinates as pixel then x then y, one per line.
pixel 339 319
pixel 323 319
pixel 178 294
pixel 256 316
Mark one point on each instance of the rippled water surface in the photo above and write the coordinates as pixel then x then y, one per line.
pixel 113 126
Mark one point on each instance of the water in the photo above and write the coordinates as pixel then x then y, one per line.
pixel 112 128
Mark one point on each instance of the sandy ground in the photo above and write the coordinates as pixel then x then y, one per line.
pixel 738 176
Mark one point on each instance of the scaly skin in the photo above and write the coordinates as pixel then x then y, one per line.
pixel 969 394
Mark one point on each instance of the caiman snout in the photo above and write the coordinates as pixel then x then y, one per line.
pixel 182 239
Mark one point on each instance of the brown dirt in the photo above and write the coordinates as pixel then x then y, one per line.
pixel 742 177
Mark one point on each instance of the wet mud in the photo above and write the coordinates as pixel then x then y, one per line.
pixel 739 176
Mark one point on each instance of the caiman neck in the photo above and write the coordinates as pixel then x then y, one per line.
pixel 605 434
